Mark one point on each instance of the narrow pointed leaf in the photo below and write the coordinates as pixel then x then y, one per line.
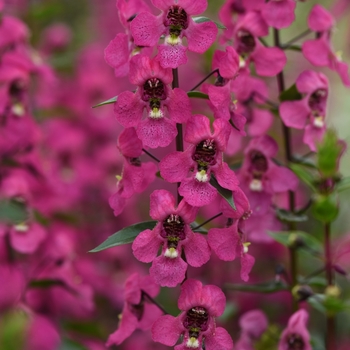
pixel 288 216
pixel 197 94
pixel 291 94
pixel 12 212
pixel 202 19
pixel 304 175
pixel 268 287
pixel 110 101
pixel 224 192
pixel 125 235
pixel 344 184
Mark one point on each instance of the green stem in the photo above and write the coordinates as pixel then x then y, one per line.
pixel 205 222
pixel 205 78
pixel 291 195
pixel 330 335
pixel 151 155
pixel 153 301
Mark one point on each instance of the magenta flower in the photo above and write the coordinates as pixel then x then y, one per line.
pixel 203 158
pixel 229 242
pixel 296 335
pixel 175 23
pixel 268 61
pixel 174 234
pixel 136 176
pixel 319 51
pixel 308 113
pixel 260 173
pixel 122 48
pixel 137 312
pixel 153 94
pixel 199 305
pixel 279 13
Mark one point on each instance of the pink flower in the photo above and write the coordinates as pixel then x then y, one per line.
pixel 175 23
pixel 199 305
pixel 174 234
pixel 279 13
pixel 203 158
pixel 122 48
pixel 153 94
pixel 260 172
pixel 319 51
pixel 268 61
pixel 137 312
pixel 136 176
pixel 230 241
pixel 310 111
pixel 296 335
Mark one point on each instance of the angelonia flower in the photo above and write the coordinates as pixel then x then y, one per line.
pixel 164 106
pixel 174 22
pixel 199 306
pixel 203 158
pixel 138 312
pixel 296 335
pixel 173 234
pixel 308 113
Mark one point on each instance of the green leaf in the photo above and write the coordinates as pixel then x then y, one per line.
pixel 325 208
pixel 224 192
pixel 290 94
pixel 110 101
pixel 343 184
pixel 269 339
pixel 202 19
pixel 328 154
pixel 316 281
pixel 293 47
pixel 125 235
pixel 12 212
pixel 304 175
pixel 327 304
pixel 268 287
pixel 297 239
pixel 197 94
pixel 68 344
pixel 304 161
pixel 288 216
pixel 46 283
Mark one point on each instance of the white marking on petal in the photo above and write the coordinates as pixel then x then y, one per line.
pixel 319 122
pixel 256 185
pixel 173 40
pixel 18 110
pixel 202 176
pixel 242 62
pixel 192 343
pixel 156 113
pixel 171 253
pixel 21 228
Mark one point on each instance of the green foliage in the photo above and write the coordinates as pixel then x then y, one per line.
pixel 268 287
pixel 68 344
pixel 270 338
pixel 125 235
pixel 201 19
pixel 13 327
pixel 325 208
pixel 197 94
pixel 296 239
pixel 290 94
pixel 107 102
pixel 328 154
pixel 12 212
pixel 343 184
pixel 288 216
pixel 304 175
pixel 224 192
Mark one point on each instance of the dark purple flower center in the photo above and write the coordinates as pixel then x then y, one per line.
pixel 137 309
pixel 258 164
pixel 135 161
pixel 173 230
pixel 246 42
pixel 176 19
pixel 204 154
pixel 196 321
pixel 154 92
pixel 317 100
pixel 295 342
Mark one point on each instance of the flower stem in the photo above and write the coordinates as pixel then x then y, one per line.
pixel 330 335
pixel 205 78
pixel 153 301
pixel 289 158
pixel 151 155
pixel 205 222
pixel 179 137
pixel 292 41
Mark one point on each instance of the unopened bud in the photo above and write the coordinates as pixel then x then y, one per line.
pixel 295 241
pixel 332 291
pixel 302 292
